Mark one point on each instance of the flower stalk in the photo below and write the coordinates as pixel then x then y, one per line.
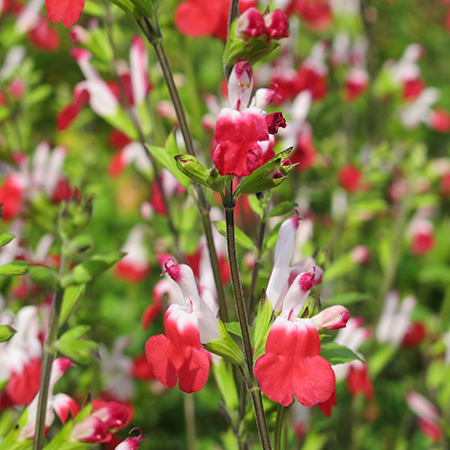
pixel 252 385
pixel 49 355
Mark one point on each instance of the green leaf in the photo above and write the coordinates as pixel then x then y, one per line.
pixel 435 273
pixel 226 347
pixel 234 328
pixel 380 359
pixel 75 333
pixel 337 354
pixel 44 277
pixel 94 266
pixel 241 238
pixel 255 204
pixel 6 332
pixel 6 238
pixel 271 240
pixel 169 163
pixel 71 297
pixel 83 352
pixel 282 209
pixel 223 374
pixel 339 268
pixel 15 268
pixel 262 327
pixel 348 298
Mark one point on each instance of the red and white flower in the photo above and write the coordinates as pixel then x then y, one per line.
pixel 428 415
pixel 178 355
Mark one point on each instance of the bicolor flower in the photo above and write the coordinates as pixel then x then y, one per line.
pixel 395 319
pixel 292 364
pixel 428 415
pixel 354 372
pixel 61 404
pixel 178 355
pixel 242 132
pixel 131 443
pixel 104 420
pixel 421 233
pixel 283 274
pixel 135 266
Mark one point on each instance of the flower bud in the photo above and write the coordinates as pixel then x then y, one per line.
pixel 192 168
pixel 331 318
pixel 250 23
pixel 75 215
pixel 277 25
pixel 91 429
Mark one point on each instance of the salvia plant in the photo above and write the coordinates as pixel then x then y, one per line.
pixel 224 224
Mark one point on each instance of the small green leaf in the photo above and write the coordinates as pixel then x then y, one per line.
pixel 380 359
pixel 262 327
pixel 282 209
pixel 226 347
pixel 241 238
pixel 83 352
pixel 339 268
pixel 15 268
pixel 6 238
pixel 94 266
pixel 75 333
pixel 255 204
pixel 337 354
pixel 234 328
pixel 348 298
pixel 71 297
pixel 271 240
pixel 6 333
pixel 223 374
pixel 44 277
pixel 435 273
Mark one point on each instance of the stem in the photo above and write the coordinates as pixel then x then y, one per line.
pixel 233 13
pixel 279 427
pixel 252 384
pixel 257 264
pixel 206 221
pixel 189 415
pixel 49 356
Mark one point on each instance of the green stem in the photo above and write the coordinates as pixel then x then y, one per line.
pixel 49 356
pixel 189 415
pixel 257 264
pixel 252 385
pixel 233 13
pixel 279 427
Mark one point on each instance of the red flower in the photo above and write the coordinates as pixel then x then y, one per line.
pixel 415 335
pixel 23 387
pixel 11 196
pixel 197 18
pixel 43 37
pixel 439 120
pixel 178 355
pixel 350 177
pixel 66 10
pixel 312 79
pixel 293 365
pixel 316 13
pixel 358 381
pixel 326 406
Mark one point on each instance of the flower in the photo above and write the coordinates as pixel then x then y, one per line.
pixel 134 267
pixel 282 276
pixel 242 133
pixel 292 363
pixel 61 403
pixel 350 178
pixel 131 443
pixel 66 10
pixel 428 415
pixel 178 355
